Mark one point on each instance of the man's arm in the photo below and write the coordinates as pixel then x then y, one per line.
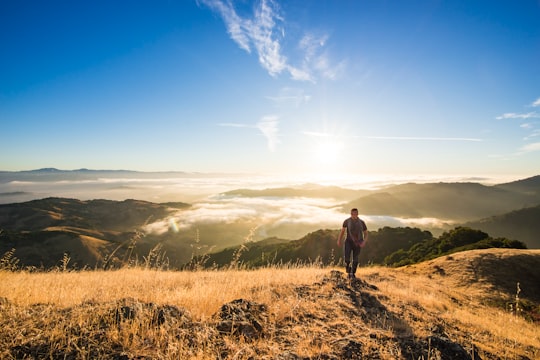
pixel 340 236
pixel 364 231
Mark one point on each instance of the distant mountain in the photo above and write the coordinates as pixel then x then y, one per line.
pixel 523 224
pixel 528 186
pixel 308 190
pixel 447 201
pixel 53 174
pixel 455 202
pixel 55 170
pixel 42 170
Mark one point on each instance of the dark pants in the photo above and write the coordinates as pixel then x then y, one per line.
pixel 351 251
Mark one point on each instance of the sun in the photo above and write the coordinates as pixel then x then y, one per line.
pixel 328 151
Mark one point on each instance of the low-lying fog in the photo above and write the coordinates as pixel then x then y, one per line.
pixel 274 216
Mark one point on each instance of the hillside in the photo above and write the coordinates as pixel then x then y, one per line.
pixel 42 231
pixel 388 246
pixel 446 201
pixel 520 224
pixel 527 186
pixel 307 190
pixel 464 306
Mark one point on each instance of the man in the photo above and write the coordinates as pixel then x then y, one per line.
pixel 357 236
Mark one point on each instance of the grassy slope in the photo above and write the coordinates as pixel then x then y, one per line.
pixel 520 224
pixel 452 307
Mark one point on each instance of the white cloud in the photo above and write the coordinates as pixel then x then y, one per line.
pixel 235 24
pixel 422 138
pixel 404 138
pixel 300 75
pixel 290 97
pixel 238 125
pixel 264 32
pixel 533 134
pixel 530 148
pixel 269 127
pixel 270 212
pixel 536 102
pixel 518 116
pixel 259 32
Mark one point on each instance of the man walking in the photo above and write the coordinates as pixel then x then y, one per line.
pixel 357 236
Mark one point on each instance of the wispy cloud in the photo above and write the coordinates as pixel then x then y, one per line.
pixel 533 147
pixel 518 116
pixel 405 138
pixel 534 133
pixel 530 126
pixel 238 125
pixel 421 138
pixel 290 97
pixel 317 58
pixel 264 32
pixel 268 126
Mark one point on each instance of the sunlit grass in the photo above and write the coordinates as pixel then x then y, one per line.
pixel 202 292
pixel 305 314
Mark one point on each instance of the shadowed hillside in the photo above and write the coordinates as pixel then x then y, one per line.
pixel 388 246
pixel 529 186
pixel 447 201
pixel 523 224
pixel 42 231
pixel 464 306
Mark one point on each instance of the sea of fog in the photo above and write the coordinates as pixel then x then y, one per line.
pixel 206 193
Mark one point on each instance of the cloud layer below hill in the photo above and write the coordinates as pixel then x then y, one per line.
pixel 277 216
pixel 272 216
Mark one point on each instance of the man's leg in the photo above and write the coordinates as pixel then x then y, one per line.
pixel 355 255
pixel 347 251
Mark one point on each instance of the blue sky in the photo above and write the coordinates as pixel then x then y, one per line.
pixel 331 87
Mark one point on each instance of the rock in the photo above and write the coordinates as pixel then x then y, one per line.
pixel 445 349
pixel 242 318
pixel 353 350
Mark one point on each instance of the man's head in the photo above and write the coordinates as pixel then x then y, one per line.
pixel 354 213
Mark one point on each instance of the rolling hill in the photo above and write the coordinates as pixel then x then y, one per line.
pixel 93 232
pixel 42 231
pixel 448 201
pixel 523 224
pixel 306 190
pixel 386 246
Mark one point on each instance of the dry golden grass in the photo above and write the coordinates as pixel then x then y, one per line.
pixel 202 292
pixel 434 310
